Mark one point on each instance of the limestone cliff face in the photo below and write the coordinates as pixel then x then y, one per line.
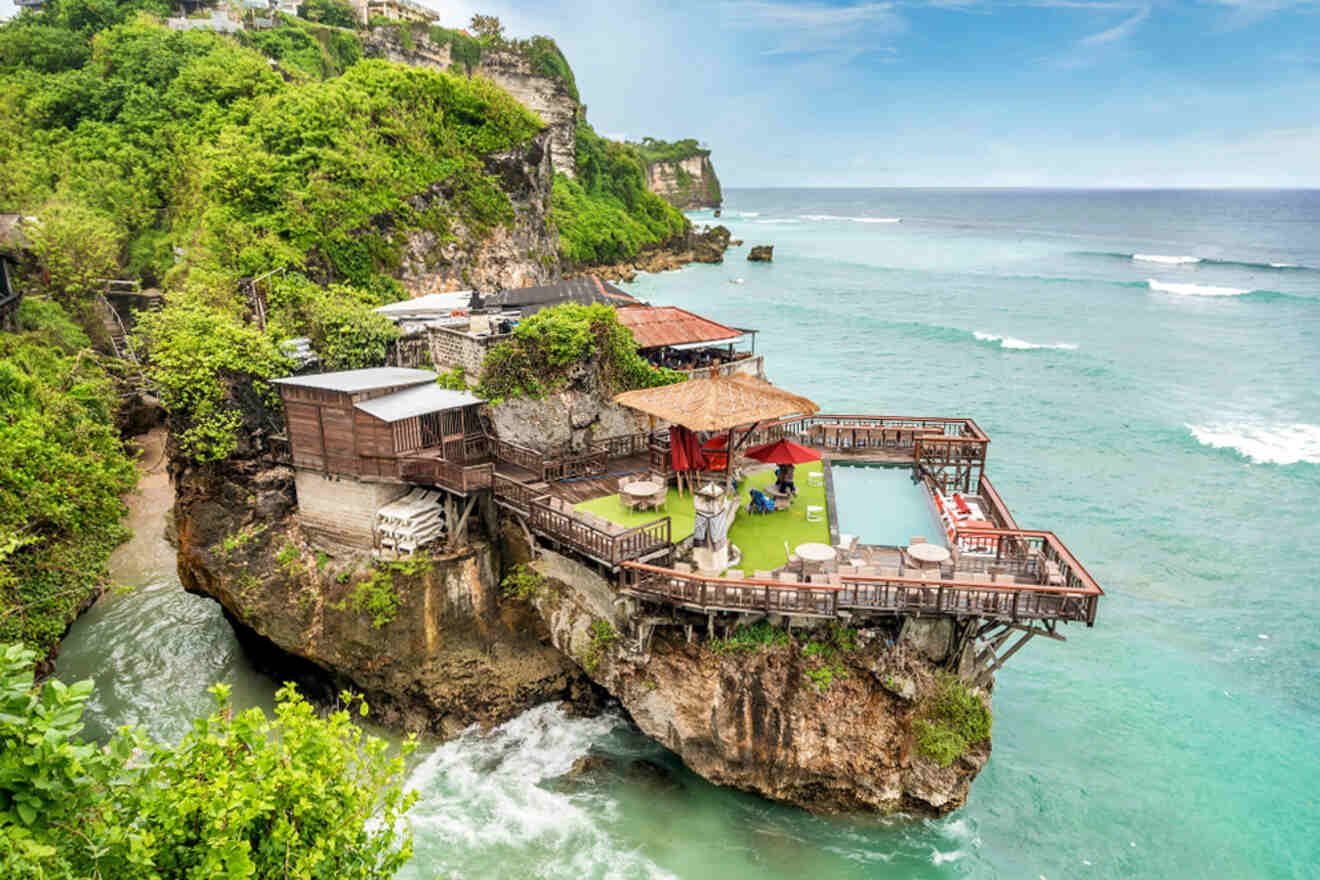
pixel 757 722
pixel 451 654
pixel 546 96
pixel 687 183
pixel 520 254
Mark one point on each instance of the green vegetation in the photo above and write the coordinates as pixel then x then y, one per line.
pixel 952 720
pixel 653 150
pixel 750 639
pixel 377 596
pixel 336 13
pixel 63 472
pixel 464 50
pixel 454 380
pixel 242 796
pixel 607 213
pixel 318 51
pixel 523 582
pixel 602 638
pixel 825 650
pixel 550 346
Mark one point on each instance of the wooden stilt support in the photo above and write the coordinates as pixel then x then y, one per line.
pixel 458 533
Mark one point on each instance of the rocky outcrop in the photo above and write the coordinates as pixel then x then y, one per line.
pixel 456 256
pixel 548 97
pixel 686 183
pixel 761 253
pixel 433 646
pixel 569 419
pixel 706 245
pixel 758 720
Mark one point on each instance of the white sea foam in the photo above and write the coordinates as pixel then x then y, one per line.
pixel 1194 289
pixel 1284 266
pixel 852 219
pixel 1263 444
pixel 1015 344
pixel 1164 258
pixel 480 800
pixel 777 220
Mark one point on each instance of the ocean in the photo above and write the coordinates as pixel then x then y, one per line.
pixel 1147 365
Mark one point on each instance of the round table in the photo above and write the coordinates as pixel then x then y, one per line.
pixel 815 552
pixel 642 489
pixel 928 553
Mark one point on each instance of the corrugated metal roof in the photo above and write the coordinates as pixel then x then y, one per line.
pixel 654 326
pixel 360 380
pixel 529 300
pixel 416 402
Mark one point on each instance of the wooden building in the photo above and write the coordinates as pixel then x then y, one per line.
pixel 681 340
pixel 362 423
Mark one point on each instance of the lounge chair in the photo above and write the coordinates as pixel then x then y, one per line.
pixel 815 513
pixel 734 574
pixel 815 479
pixel 762 575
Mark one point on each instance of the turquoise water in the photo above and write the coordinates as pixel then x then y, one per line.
pixel 883 505
pixel 1170 434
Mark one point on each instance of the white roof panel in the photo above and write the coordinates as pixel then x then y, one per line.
pixel 350 381
pixel 416 402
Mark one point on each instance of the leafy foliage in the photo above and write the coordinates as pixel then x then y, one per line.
pixel 242 796
pixel 331 12
pixel 602 637
pixel 78 249
pixel 653 150
pixel 953 719
pixel 64 472
pixel 523 582
pixel 607 213
pixel 750 639
pixel 551 346
pixel 824 650
pixel 318 51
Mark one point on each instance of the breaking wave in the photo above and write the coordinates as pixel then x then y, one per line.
pixel 1263 444
pixel 1188 260
pixel 1014 344
pixel 852 219
pixel 1162 258
pixel 1194 289
pixel 483 801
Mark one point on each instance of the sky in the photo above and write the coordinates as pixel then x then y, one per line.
pixel 1070 93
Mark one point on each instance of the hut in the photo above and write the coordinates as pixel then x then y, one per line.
pixel 357 439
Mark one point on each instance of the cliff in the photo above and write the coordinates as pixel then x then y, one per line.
pixel 552 98
pixel 457 256
pixel 685 183
pixel 831 721
pixel 431 644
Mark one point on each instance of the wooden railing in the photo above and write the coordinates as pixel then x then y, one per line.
pixel 518 456
pixel 280 451
pixel 597 543
pixel 476 448
pixel 966 429
pixel 998 511
pixel 587 464
pixel 459 478
pixel 514 495
pixel 866 594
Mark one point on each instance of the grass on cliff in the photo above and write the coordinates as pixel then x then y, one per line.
pixel 952 719
pixel 760 538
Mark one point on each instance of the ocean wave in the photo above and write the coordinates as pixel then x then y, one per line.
pixel 1015 344
pixel 1194 289
pixel 852 219
pixel 1263 444
pixel 1168 260
pixel 1175 260
pixel 776 220
pixel 484 798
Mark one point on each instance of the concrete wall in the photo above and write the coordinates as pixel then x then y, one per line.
pixel 341 510
pixel 451 348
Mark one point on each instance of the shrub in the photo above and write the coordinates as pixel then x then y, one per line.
pixel 749 639
pixel 523 582
pixel 602 639
pixel 953 719
pixel 551 345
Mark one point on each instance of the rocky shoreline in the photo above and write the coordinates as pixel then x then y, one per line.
pixel 705 246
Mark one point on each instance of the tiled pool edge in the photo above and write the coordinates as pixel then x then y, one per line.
pixel 830 517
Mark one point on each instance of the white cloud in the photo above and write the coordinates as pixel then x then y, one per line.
pixel 1118 32
pixel 812 28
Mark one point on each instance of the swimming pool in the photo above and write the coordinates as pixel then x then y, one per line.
pixel 883 505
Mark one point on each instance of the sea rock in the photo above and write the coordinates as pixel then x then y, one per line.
pixel 737 242
pixel 756 721
pixel 589 764
pixel 761 253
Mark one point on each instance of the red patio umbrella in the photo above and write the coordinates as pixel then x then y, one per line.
pixel 783 452
pixel 719 441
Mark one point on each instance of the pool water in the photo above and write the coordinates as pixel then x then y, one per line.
pixel 883 505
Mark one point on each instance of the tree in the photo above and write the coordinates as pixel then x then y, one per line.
pixel 241 796
pixel 488 27
pixel 77 247
pixel 331 12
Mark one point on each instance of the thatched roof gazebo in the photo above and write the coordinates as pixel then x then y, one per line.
pixel 718 403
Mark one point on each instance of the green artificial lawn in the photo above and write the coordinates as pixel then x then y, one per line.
pixel 761 537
